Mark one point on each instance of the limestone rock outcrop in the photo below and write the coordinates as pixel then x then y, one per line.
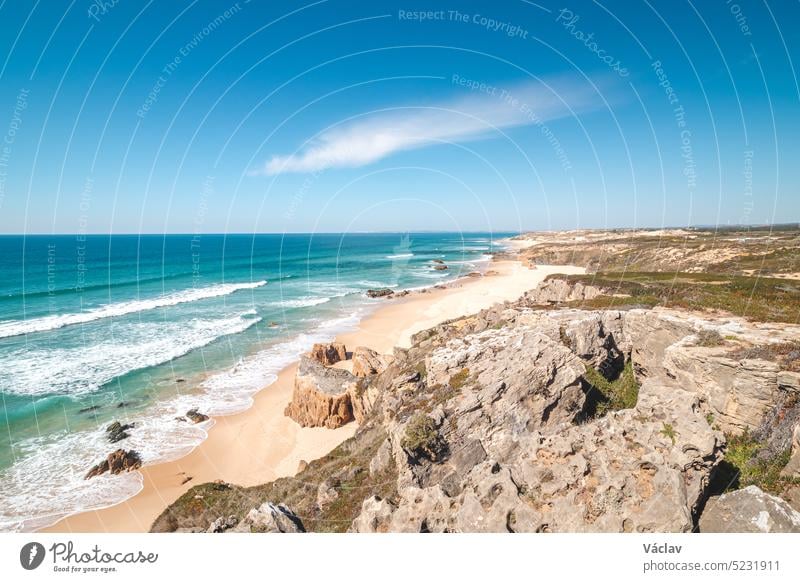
pixel 644 469
pixel 491 423
pixel 561 291
pixel 367 362
pixel 749 510
pixel 270 518
pixel 329 354
pixel 320 396
pixel 792 468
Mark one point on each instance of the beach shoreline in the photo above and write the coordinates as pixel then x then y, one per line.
pixel 261 444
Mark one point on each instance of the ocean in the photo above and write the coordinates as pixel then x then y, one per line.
pixel 141 329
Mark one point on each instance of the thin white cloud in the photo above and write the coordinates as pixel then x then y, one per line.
pixel 380 134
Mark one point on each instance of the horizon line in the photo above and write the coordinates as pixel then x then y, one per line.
pixel 795 224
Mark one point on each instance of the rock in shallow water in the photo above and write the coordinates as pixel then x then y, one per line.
pixel 116 431
pixel 196 417
pixel 120 461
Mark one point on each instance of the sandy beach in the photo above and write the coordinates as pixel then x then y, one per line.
pixel 261 444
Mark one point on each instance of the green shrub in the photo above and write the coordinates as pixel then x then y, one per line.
pixel 421 437
pixel 745 468
pixel 617 394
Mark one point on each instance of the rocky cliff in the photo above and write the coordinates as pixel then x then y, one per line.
pixel 525 418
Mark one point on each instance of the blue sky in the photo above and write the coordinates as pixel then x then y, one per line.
pixel 363 116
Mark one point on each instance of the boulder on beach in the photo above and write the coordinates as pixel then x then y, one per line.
pixel 329 354
pixel 120 461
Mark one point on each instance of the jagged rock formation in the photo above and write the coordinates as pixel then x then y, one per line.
pixel 553 291
pixel 321 395
pixel 116 431
pixel 267 518
pixel 491 423
pixel 329 354
pixel 516 460
pixel 367 362
pixel 119 461
pixel 749 510
pixel 792 468
pixel 270 518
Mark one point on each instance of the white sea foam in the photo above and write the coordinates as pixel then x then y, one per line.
pixel 400 256
pixel 51 322
pixel 302 302
pixel 482 259
pixel 377 285
pixel 47 482
pixel 120 350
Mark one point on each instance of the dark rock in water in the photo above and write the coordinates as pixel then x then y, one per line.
pixel 438 261
pixel 180 418
pixel 440 267
pixel 272 324
pixel 179 380
pixel 117 431
pixel 122 405
pixel 90 408
pixel 196 416
pixel 120 461
pixel 376 293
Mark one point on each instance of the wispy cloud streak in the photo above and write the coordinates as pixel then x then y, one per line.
pixel 377 135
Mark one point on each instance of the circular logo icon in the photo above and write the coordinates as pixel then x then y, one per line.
pixel 31 555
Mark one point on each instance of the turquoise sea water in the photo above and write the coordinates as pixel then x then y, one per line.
pixel 143 328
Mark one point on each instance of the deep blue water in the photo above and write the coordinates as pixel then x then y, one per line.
pixel 142 328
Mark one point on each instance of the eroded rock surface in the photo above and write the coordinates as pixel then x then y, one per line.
pixel 491 423
pixel 120 461
pixel 367 362
pixel 749 510
pixel 320 396
pixel 329 354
